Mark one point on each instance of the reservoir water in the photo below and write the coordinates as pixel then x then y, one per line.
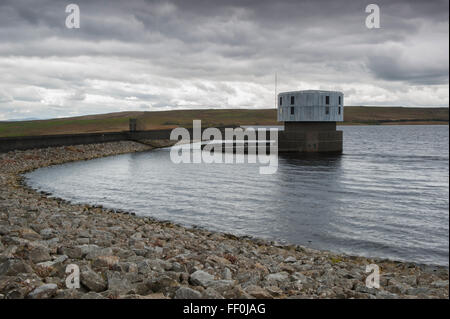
pixel 386 196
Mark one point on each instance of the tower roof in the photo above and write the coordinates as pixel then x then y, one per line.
pixel 310 91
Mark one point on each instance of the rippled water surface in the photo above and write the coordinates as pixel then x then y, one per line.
pixel 386 196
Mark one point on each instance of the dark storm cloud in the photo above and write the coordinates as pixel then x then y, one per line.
pixel 179 53
pixel 394 69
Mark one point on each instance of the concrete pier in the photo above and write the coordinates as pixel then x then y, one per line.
pixel 307 137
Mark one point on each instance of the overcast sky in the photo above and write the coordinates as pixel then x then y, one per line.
pixel 159 55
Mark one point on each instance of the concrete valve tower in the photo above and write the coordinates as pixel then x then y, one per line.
pixel 310 121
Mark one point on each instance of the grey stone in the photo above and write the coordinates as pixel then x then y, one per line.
pixel 105 261
pixel 410 280
pixel 83 241
pixel 43 292
pixel 51 266
pixel 72 252
pixel 159 264
pixel 227 275
pixel 118 283
pixel 178 267
pixel 258 292
pixel 290 259
pixel 124 253
pixel 274 291
pixel 52 242
pixel 144 267
pixel 163 284
pixel 362 288
pixel 440 284
pixel 187 293
pixel 418 291
pixel 28 233
pixel 99 252
pixel 136 236
pixel 4 230
pixel 93 281
pixel 211 293
pixel 39 254
pixel 86 249
pixel 300 277
pixel 92 295
pixel 12 267
pixel 201 278
pixel 397 287
pixel 8 253
pixel 84 234
pixel 278 277
pixel 220 285
pixel 237 293
pixel 130 267
pixel 18 293
pixel 47 233
pixel 60 259
pixel 68 294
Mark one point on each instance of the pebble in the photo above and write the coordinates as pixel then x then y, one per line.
pixel 44 291
pixel 187 293
pixel 201 278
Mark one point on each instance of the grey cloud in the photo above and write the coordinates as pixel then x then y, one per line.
pixel 77 95
pixel 178 53
pixel 5 96
pixel 393 68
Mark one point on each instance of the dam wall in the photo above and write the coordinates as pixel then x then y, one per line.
pixel 42 141
pixel 296 137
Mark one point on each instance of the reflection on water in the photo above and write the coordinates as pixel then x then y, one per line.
pixel 386 196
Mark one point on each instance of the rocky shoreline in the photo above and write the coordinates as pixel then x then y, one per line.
pixel 124 256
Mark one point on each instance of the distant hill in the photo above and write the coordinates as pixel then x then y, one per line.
pixel 353 115
pixel 21 120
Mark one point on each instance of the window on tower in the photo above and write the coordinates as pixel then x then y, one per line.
pixel 327 100
pixel 281 101
pixel 292 100
pixel 292 110
pixel 327 110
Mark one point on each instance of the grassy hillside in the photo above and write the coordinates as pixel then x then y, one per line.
pixel 353 115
